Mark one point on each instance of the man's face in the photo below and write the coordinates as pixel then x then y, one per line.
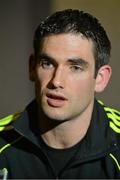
pixel 64 76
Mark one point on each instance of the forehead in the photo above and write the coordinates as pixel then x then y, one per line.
pixel 65 46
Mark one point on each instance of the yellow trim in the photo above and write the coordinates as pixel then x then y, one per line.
pixel 100 102
pixel 114 117
pixel 9 144
pixel 114 127
pixel 116 161
pixel 8 119
pixel 113 111
pixel 115 120
pixel 4 147
pixel 6 128
pixel 5 122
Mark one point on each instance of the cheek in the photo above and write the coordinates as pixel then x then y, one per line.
pixel 83 87
pixel 42 79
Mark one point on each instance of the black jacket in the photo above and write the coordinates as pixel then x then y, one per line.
pixel 21 155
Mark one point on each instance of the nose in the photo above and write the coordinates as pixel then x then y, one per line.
pixel 58 79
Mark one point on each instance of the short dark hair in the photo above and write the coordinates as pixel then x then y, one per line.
pixel 76 22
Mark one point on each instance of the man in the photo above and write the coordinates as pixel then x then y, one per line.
pixel 65 133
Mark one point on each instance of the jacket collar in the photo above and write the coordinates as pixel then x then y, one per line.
pixel 26 124
pixel 98 140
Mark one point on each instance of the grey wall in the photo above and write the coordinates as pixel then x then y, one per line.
pixel 18 20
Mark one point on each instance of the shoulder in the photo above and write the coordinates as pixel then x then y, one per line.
pixel 113 116
pixel 6 122
pixel 7 134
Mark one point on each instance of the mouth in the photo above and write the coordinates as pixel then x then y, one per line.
pixel 55 100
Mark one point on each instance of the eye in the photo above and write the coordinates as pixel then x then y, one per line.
pixel 46 64
pixel 76 68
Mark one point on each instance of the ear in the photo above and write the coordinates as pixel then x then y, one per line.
pixel 32 66
pixel 103 77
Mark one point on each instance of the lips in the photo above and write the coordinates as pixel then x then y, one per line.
pixel 55 100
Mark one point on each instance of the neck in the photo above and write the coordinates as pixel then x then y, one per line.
pixel 66 134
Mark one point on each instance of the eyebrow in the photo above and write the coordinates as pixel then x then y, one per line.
pixel 44 55
pixel 78 61
pixel 47 57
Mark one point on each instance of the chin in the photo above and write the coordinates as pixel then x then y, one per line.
pixel 54 115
